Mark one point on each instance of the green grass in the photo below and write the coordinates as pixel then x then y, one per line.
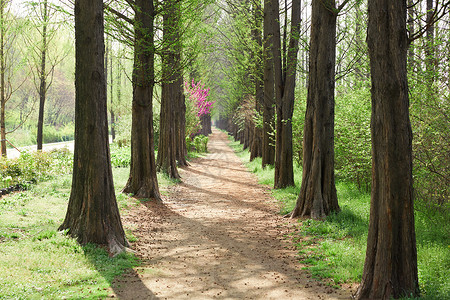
pixel 335 248
pixel 38 262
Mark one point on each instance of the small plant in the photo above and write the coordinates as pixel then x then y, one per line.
pixel 120 156
pixel 200 143
pixel 205 144
pixel 189 144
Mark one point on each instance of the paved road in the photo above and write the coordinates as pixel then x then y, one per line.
pixel 13 153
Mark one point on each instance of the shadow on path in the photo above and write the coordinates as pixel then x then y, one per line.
pixel 216 236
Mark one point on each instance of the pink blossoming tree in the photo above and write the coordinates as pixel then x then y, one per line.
pixel 198 96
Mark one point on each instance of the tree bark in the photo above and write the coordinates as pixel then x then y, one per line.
pixel 170 94
pixel 317 196
pixel 142 182
pixel 92 214
pixel 390 269
pixel 268 152
pixel 285 87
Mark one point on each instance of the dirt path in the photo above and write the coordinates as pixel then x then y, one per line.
pixel 216 236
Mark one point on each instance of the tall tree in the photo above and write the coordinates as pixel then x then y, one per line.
pixel 42 74
pixel 390 270
pixel 171 90
pixel 3 96
pixel 285 94
pixel 142 182
pixel 92 214
pixel 256 147
pixel 42 63
pixel 317 196
pixel 268 152
pixel 430 60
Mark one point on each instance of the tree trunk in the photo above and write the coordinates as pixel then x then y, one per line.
pixel 359 29
pixel 111 100
pixel 42 79
pixel 2 79
pixel 142 182
pixel 285 87
pixel 430 60
pixel 268 152
pixel 318 196
pixel 390 269
pixel 166 161
pixel 92 214
pixel 206 124
pixel 256 146
pixel 181 147
pixel 411 29
pixel 119 98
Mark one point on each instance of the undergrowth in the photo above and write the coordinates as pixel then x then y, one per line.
pixel 335 248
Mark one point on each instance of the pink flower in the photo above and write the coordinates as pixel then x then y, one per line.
pixel 198 94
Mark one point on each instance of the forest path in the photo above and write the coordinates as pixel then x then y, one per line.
pixel 217 235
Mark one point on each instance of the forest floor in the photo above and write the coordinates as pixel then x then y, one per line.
pixel 216 235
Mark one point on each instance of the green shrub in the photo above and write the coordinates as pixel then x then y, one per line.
pixel 53 134
pixel 298 123
pixel 123 129
pixel 120 156
pixel 34 166
pixel 352 136
pixel 205 144
pixel 200 143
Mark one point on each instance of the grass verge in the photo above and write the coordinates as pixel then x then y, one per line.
pixel 38 262
pixel 335 248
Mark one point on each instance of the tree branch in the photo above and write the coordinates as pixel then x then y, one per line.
pixel 119 14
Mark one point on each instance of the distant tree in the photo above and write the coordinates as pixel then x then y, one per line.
pixel 9 64
pixel 42 73
pixel 3 97
pixel 92 214
pixel 42 65
pixel 390 269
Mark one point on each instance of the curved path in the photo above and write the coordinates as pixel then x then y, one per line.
pixel 217 235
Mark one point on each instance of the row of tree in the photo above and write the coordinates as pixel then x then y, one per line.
pixel 92 215
pixel 259 110
pixel 255 70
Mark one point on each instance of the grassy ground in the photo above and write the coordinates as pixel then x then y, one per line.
pixel 335 248
pixel 38 262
